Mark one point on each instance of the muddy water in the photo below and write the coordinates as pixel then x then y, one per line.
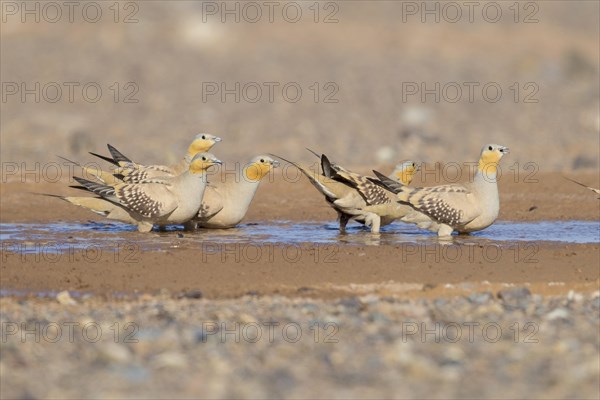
pixel 62 237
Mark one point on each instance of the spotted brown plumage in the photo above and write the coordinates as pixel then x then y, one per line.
pixel 430 203
pixel 464 208
pixel 137 174
pixel 162 201
pixel 370 192
pixel 350 194
pixel 129 171
pixel 137 199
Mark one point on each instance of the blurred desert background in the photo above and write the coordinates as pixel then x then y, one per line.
pixel 369 55
pixel 366 58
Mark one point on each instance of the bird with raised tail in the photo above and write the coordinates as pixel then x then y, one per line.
pixel 127 170
pixel 227 198
pixel 349 193
pixel 153 201
pixel 403 172
pixel 463 208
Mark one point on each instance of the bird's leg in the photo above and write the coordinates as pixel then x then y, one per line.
pixel 374 221
pixel 190 226
pixel 444 230
pixel 144 226
pixel 344 218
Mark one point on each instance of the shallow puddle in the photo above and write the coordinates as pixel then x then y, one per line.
pixel 64 237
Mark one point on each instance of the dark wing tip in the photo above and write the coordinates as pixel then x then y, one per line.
pixel 117 155
pixel 108 159
pixel 387 183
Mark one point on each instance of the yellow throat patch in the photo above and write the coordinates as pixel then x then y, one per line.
pixel 406 175
pixel 256 171
pixel 200 146
pixel 488 163
pixel 199 166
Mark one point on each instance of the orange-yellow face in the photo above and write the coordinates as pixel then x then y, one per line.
pixel 491 155
pixel 202 143
pixel 202 161
pixel 405 172
pixel 259 167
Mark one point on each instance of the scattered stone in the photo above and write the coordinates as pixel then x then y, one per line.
pixel 351 302
pixel 557 313
pixel 169 359
pixel 65 298
pixel 158 346
pixel 247 319
pixel 114 352
pixel 515 297
pixel 191 294
pixel 480 297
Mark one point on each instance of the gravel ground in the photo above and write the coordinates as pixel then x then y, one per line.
pixel 510 344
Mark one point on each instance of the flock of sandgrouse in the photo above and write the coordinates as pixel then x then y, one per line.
pixel 149 195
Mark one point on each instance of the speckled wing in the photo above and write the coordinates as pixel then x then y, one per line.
pixel 372 193
pixel 150 198
pixel 453 205
pixel 212 203
pixel 142 173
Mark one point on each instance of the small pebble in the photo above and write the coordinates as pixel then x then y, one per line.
pixel 65 298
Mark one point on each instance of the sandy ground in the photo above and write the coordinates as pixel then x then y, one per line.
pixel 198 261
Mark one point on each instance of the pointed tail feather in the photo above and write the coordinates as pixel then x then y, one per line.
pixel 70 161
pixel 118 156
pixel 312 177
pixel 108 159
pixel 327 167
pixel 314 152
pixel 97 188
pixel 386 183
pixel 584 185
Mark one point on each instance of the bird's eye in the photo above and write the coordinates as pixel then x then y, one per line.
pixel 203 158
pixel 490 148
pixel 204 137
pixel 262 160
